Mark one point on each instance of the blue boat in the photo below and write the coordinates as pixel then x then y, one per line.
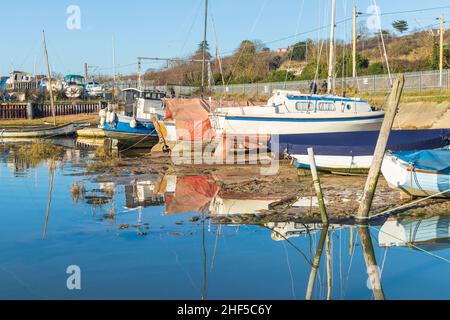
pixel 353 152
pixel 3 81
pixel 419 173
pixel 135 126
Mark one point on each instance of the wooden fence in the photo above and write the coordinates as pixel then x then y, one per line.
pixel 39 110
pixel 13 111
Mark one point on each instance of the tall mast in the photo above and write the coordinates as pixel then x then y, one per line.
pixel 441 52
pixel 52 103
pixel 331 65
pixel 114 60
pixel 354 41
pixel 204 46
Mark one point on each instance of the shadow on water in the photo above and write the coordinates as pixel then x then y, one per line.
pixel 197 217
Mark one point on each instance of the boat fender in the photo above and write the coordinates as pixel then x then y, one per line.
pixel 102 113
pixel 133 123
pixel 112 119
pixel 108 117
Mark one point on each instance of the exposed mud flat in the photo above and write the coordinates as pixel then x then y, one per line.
pixel 291 191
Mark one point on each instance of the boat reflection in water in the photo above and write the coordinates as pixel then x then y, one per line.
pixel 325 256
pixel 430 235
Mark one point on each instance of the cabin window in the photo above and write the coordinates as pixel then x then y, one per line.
pixel 304 106
pixel 349 107
pixel 327 106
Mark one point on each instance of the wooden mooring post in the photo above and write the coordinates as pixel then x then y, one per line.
pixel 380 150
pixel 371 263
pixel 316 262
pixel 317 186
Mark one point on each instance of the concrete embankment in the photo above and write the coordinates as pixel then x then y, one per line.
pixel 423 115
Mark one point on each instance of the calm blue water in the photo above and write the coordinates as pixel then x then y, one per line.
pixel 164 259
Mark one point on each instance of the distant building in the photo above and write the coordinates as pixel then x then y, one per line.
pixel 283 50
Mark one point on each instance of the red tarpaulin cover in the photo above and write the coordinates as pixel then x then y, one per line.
pixel 193 194
pixel 191 119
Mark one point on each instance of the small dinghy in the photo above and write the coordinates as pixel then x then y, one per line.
pixel 38 131
pixel 419 173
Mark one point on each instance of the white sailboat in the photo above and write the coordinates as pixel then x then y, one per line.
pixel 291 114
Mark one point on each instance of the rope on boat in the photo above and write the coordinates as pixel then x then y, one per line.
pixel 402 206
pixel 143 139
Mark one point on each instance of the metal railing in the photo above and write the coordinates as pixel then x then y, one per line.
pixel 414 82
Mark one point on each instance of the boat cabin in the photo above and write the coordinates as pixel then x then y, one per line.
pixel 73 79
pixel 294 102
pixel 144 104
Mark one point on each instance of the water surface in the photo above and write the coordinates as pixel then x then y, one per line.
pixel 144 238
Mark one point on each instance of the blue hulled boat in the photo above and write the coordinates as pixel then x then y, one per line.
pixel 135 125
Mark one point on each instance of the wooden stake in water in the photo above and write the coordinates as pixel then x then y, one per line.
pixel 49 75
pixel 371 263
pixel 317 186
pixel 316 262
pixel 329 268
pixel 380 150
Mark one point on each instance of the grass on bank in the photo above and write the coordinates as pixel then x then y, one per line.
pixel 37 152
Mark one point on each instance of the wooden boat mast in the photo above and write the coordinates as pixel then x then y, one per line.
pixel 204 47
pixel 331 63
pixel 52 103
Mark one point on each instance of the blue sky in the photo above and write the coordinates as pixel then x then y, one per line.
pixel 171 28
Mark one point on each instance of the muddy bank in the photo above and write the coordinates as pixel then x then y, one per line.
pixel 286 196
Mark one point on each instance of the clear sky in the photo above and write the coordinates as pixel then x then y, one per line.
pixel 172 28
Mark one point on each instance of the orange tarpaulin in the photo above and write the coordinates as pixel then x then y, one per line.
pixel 193 194
pixel 191 119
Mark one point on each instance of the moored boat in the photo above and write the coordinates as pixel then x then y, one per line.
pixel 291 113
pixel 135 125
pixel 38 131
pixel 419 173
pixel 350 153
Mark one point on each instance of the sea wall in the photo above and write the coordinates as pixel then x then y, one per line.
pixel 423 115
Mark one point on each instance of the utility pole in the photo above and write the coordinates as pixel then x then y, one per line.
pixel 86 72
pixel 204 47
pixel 331 61
pixel 114 59
pixel 139 73
pixel 441 53
pixel 354 42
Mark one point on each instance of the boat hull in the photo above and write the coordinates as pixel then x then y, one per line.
pixel 37 131
pixel 418 183
pixel 252 125
pixel 353 152
pixel 143 135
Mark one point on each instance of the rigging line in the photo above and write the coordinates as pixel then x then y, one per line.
pixel 291 243
pixel 412 245
pixel 192 25
pixel 340 22
pixel 319 53
pixel 290 271
pixel 251 34
pixel 403 206
pixel 350 264
pixel 216 244
pixel 300 15
pixel 384 45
